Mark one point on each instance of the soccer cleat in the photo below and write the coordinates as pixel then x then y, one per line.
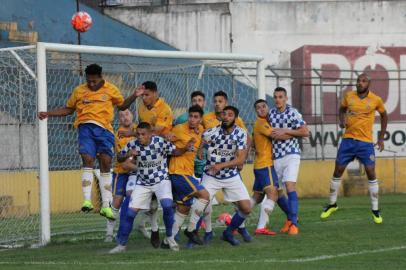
pixel 194 237
pixel 293 230
pixel 155 239
pixel 286 226
pixel 229 237
pixel 328 210
pixel 143 230
pixel 108 239
pixel 264 231
pixel 245 235
pixel 189 244
pixel 118 249
pixel 170 243
pixel 107 213
pixel 87 206
pixel 376 215
pixel 208 236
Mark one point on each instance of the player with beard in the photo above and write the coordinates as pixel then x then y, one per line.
pixel 357 116
pixel 226 151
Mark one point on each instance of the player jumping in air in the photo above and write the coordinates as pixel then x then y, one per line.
pixel 357 116
pixel 94 104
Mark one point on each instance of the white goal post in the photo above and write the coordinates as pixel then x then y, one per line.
pixel 41 53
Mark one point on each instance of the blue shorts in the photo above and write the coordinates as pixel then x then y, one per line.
pixel 119 183
pixel 183 188
pixel 265 177
pixel 350 149
pixel 94 139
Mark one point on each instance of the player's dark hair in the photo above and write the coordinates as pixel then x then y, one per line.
pixel 260 101
pixel 93 69
pixel 232 108
pixel 197 93
pixel 220 94
pixel 144 125
pixel 196 108
pixel 150 86
pixel 281 89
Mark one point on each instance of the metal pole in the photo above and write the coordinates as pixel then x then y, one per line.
pixel 261 79
pixel 321 113
pixel 43 146
pixel 79 42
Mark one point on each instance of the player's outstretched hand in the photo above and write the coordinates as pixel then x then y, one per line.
pixel 170 137
pixel 380 145
pixel 139 91
pixel 42 115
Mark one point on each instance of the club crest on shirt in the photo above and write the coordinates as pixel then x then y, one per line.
pixel 104 97
pixel 372 157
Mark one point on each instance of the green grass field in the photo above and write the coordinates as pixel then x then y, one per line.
pixel 349 239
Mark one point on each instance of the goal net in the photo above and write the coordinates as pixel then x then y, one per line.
pixel 40 194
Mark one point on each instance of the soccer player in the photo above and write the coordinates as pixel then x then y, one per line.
pixel 197 98
pixel 185 187
pixel 286 120
pixel 266 180
pixel 155 111
pixel 120 176
pixel 357 116
pixel 150 154
pixel 226 151
pixel 213 119
pixel 94 104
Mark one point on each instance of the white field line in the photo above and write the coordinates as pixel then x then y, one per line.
pixel 215 261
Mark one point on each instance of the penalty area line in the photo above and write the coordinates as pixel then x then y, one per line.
pixel 214 261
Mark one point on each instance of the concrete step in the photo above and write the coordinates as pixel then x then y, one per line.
pixel 8 26
pixel 23 36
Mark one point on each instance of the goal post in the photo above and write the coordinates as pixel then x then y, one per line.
pixel 58 69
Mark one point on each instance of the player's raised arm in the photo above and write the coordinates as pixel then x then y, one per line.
pixel 129 100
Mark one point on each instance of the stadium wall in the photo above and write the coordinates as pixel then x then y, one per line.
pixel 18 190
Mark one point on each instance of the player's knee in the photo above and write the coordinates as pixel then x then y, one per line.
pixel 166 203
pixel 370 171
pixel 339 170
pixel 87 160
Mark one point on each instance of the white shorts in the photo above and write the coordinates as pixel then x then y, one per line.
pixel 142 195
pixel 233 188
pixel 132 179
pixel 287 168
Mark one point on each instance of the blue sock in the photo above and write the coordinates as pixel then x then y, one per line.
pixel 168 214
pixel 236 221
pixel 126 226
pixel 123 214
pixel 199 223
pixel 284 205
pixel 293 206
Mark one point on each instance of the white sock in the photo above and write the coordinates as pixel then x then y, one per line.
pixel 87 180
pixel 253 203
pixel 334 187
pixel 266 209
pixel 207 217
pixel 179 219
pixel 373 188
pixel 105 189
pixel 196 212
pixel 116 212
pixel 110 227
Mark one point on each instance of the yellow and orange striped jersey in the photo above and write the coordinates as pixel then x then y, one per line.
pixel 185 164
pixel 159 115
pixel 263 144
pixel 95 107
pixel 119 144
pixel 210 120
pixel 360 115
